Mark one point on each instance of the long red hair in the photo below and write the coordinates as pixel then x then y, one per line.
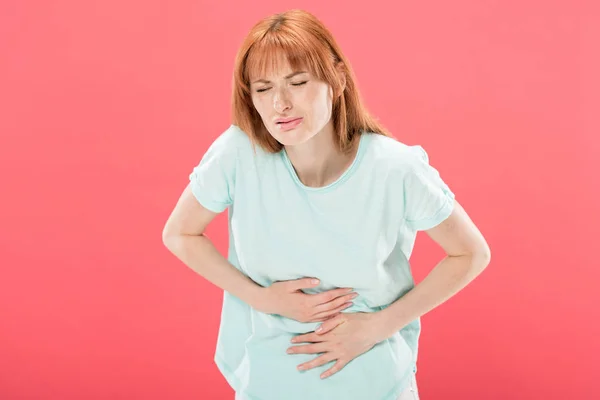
pixel 306 44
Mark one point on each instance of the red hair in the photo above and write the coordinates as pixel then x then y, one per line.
pixel 306 44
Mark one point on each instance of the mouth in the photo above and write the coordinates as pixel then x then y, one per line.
pixel 285 121
pixel 290 124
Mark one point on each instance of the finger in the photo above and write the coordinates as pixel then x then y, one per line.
pixel 317 362
pixel 308 348
pixel 330 324
pixel 327 314
pixel 336 368
pixel 327 296
pixel 303 283
pixel 307 338
pixel 335 302
pixel 319 320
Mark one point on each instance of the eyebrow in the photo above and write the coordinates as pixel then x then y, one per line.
pixel 286 77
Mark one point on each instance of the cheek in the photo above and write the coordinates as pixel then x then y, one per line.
pixel 321 105
pixel 259 105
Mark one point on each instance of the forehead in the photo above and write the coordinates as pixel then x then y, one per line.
pixel 264 64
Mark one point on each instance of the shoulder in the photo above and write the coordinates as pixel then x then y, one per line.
pixel 232 140
pixel 394 154
pixel 233 145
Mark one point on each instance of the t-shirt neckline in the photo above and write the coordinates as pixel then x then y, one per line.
pixel 363 138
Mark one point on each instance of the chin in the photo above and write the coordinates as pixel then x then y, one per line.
pixel 293 137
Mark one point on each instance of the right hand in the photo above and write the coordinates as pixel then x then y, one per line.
pixel 287 299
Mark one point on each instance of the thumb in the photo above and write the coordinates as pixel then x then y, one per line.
pixel 304 283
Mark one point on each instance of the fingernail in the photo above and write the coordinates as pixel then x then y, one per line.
pixel 315 281
pixel 354 295
pixel 319 329
pixel 290 351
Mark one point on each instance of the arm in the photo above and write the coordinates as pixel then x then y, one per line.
pixel 468 254
pixel 184 236
pixel 346 336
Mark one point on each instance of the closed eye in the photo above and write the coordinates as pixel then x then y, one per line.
pixel 293 84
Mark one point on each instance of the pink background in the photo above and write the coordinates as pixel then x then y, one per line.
pixel 105 106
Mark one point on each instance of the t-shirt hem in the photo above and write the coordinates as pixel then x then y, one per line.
pixel 230 377
pixel 235 383
pixel 439 216
pixel 214 206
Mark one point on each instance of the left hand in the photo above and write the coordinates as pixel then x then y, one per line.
pixel 342 338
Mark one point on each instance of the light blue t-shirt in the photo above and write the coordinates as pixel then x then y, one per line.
pixel 357 232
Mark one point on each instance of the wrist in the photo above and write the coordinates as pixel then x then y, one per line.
pixel 260 300
pixel 384 327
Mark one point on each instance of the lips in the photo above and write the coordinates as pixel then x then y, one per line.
pixel 286 120
pixel 289 124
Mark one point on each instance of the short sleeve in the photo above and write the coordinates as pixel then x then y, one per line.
pixel 427 198
pixel 212 181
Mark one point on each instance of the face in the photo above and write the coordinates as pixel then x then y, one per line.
pixel 294 105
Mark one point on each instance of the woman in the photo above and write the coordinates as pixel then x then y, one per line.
pixel 316 188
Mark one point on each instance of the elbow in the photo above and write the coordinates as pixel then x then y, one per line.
pixel 482 256
pixel 170 239
pixel 487 252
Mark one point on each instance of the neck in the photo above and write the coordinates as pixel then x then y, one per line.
pixel 319 162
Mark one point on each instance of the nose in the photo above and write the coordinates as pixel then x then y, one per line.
pixel 281 102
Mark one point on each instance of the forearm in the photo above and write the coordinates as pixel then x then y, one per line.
pixel 447 278
pixel 199 254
